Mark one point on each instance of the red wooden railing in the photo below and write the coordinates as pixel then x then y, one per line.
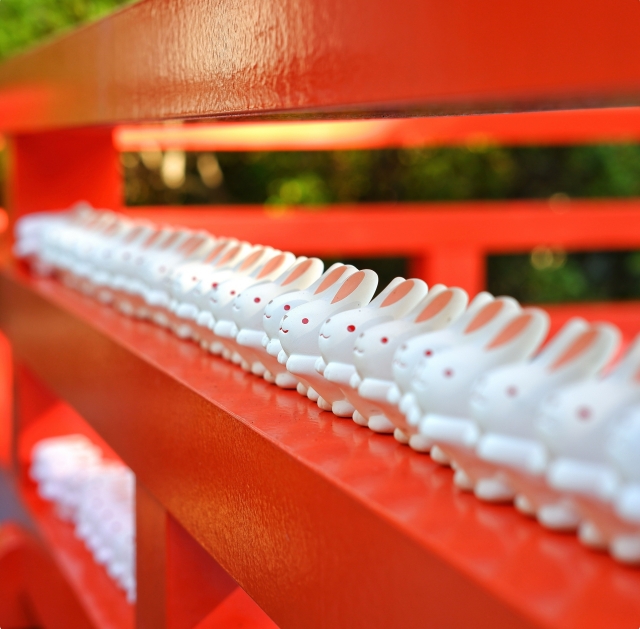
pixel 322 523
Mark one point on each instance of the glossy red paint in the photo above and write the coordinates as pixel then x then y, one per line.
pixel 581 126
pixel 322 522
pixel 172 59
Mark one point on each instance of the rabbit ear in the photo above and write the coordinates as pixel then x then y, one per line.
pixel 489 319
pixel 392 286
pixel 402 298
pixel 629 367
pixel 579 342
pixel 252 260
pixel 329 284
pixel 358 287
pixel 233 255
pixel 522 334
pixel 274 266
pixel 441 309
pixel 477 303
pixel 302 274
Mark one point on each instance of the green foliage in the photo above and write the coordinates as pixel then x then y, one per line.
pixel 26 22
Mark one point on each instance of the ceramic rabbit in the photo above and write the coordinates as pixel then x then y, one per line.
pixel 484 316
pixel 223 298
pixel 206 299
pixel 249 308
pixel 324 288
pixel 573 427
pixel 443 383
pixel 299 336
pixel 568 424
pixel 339 333
pixel 619 524
pixel 192 302
pixel 504 402
pixel 374 350
pixel 185 278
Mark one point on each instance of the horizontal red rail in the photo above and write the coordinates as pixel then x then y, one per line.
pixel 416 228
pixel 173 59
pixel 539 128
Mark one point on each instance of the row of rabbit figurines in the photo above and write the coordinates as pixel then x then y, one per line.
pixel 555 430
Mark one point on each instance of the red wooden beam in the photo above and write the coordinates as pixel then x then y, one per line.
pixel 536 128
pixel 176 59
pixel 322 522
pixel 416 228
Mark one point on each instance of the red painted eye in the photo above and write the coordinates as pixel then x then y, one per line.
pixel 305 321
pixel 448 373
pixel 287 307
pixel 584 412
pixel 384 339
pixel 233 292
pixel 214 285
pixel 427 353
pixel 512 391
pixel 257 300
pixel 194 279
pixel 351 328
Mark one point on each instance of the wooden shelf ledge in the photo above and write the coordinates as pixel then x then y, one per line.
pixel 323 523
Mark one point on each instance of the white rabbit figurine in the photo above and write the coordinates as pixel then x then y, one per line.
pixel 249 308
pixel 484 316
pixel 443 383
pixel 569 423
pixel 621 525
pixel 245 263
pixel 339 333
pixel 573 426
pixel 504 402
pixel 374 350
pixel 224 296
pixel 325 287
pixel 189 303
pixel 185 278
pixel 299 335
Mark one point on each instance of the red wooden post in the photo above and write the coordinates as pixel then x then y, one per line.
pixel 54 169
pixel 453 266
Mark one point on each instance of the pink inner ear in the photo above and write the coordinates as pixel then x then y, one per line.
pixel 134 234
pixel 297 272
pixel 349 286
pixel 215 251
pixel 398 293
pixel 515 327
pixel 251 260
pixel 170 240
pixel 232 253
pixel 152 239
pixel 331 279
pixel 489 312
pixel 271 266
pixel 577 347
pixel 435 306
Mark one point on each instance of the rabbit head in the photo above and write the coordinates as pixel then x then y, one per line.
pixel 223 296
pixel 506 399
pixel 484 316
pixel 443 381
pixel 575 421
pixel 374 348
pixel 299 331
pixel 339 333
pixel 323 288
pixel 249 307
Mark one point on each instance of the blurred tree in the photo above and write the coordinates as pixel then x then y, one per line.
pixel 26 22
